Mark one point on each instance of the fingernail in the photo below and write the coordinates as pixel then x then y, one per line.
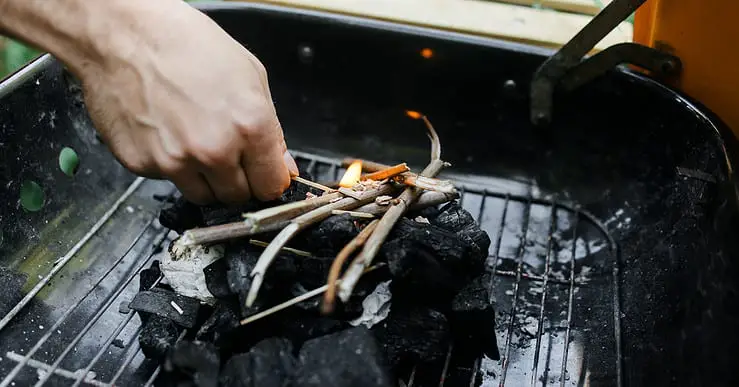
pixel 291 165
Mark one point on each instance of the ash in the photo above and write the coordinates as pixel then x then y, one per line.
pixel 433 293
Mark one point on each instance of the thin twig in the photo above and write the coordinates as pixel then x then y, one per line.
pixel 293 301
pixel 269 219
pixel 408 178
pixel 356 214
pixel 426 183
pixel 427 199
pixel 237 230
pixel 367 166
pixel 312 184
pixel 302 253
pixel 333 274
pixel 388 220
pixel 300 223
pixel 387 173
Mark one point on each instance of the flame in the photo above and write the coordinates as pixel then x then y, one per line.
pixel 427 53
pixel 352 175
pixel 413 114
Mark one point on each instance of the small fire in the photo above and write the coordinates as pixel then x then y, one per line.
pixel 427 53
pixel 413 114
pixel 352 175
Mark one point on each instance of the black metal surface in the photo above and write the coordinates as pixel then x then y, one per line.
pixel 615 159
pixel 570 55
pixel 661 65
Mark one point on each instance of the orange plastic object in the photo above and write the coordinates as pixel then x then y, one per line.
pixel 703 34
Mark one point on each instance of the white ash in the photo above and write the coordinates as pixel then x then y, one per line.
pixel 421 219
pixel 376 306
pixel 183 269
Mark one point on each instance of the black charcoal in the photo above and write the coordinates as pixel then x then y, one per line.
pixel 454 253
pixel 193 361
pixel 216 279
pixel 306 327
pixel 418 276
pixel 454 218
pixel 473 318
pixel 270 363
pixel 413 334
pixel 329 236
pixel 148 277
pixel 158 334
pixel 350 358
pixel 181 216
pixel 165 303
pixel 220 328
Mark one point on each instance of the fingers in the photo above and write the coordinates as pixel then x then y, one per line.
pixel 264 160
pixel 229 183
pixel 194 187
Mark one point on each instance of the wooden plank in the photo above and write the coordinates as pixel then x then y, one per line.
pixel 504 21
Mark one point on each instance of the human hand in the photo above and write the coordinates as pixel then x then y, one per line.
pixel 177 98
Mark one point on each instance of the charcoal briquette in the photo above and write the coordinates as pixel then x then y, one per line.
pixel 413 335
pixel 216 279
pixel 329 236
pixel 306 327
pixel 149 276
pixel 270 363
pixel 195 361
pixel 160 302
pixel 473 318
pixel 181 216
pixel 158 334
pixel 454 218
pixel 349 358
pixel 220 327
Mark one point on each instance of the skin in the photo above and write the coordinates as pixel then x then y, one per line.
pixel 172 95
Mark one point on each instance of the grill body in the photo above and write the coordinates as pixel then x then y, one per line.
pixel 613 230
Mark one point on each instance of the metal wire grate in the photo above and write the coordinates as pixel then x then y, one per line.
pixel 555 289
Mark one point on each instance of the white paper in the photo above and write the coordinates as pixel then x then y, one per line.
pixel 376 306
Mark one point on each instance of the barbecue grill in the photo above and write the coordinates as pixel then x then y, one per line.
pixel 611 227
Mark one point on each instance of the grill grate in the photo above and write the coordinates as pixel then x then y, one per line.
pixel 555 288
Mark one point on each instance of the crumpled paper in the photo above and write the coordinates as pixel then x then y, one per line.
pixel 375 307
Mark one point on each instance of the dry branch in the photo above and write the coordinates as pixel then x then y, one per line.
pixel 300 223
pixel 333 275
pixel 408 178
pixel 293 301
pixel 388 220
pixel 237 230
pixel 387 173
pixel 312 184
pixel 269 219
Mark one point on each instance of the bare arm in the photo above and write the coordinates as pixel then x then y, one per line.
pixel 170 92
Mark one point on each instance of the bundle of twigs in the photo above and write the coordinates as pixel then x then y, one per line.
pixel 385 191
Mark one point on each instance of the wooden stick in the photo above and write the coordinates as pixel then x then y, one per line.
pixel 387 173
pixel 427 199
pixel 356 214
pixel 293 301
pixel 333 274
pixel 427 183
pixel 388 220
pixel 407 178
pixel 269 219
pixel 302 253
pixel 367 166
pixel 237 230
pixel 300 223
pixel 312 184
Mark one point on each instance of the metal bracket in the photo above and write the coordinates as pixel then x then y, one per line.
pixel 571 54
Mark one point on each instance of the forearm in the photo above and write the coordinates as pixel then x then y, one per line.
pixel 80 33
